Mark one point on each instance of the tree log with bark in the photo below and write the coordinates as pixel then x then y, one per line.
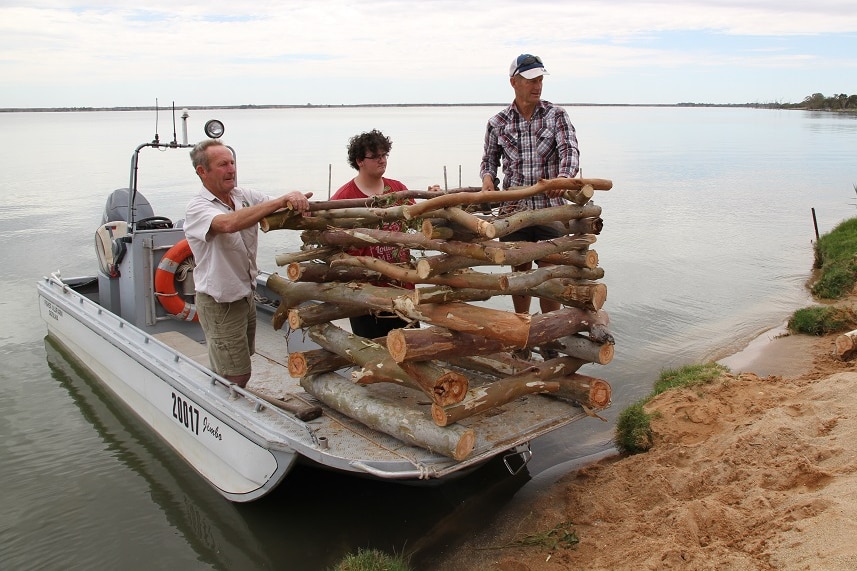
pixel 591 392
pixel 442 386
pixel 568 214
pixel 517 253
pixel 310 314
pixel 489 396
pixel 500 253
pixel 536 379
pixel 360 237
pixel 323 272
pixel 845 345
pixel 463 277
pixel 488 196
pixel 442 343
pixel 513 328
pixel 314 361
pixel 583 348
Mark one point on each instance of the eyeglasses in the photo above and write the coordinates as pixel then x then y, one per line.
pixel 377 157
pixel 527 61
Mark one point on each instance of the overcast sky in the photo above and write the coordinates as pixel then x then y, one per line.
pixel 101 53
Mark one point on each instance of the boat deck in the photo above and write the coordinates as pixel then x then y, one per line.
pixel 350 445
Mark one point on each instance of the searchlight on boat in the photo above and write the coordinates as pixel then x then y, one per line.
pixel 214 129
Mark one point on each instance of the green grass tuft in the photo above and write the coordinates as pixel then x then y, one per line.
pixel 835 257
pixel 688 376
pixel 634 429
pixel 372 560
pixel 634 425
pixel 821 320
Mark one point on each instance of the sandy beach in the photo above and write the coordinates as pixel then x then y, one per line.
pixel 757 470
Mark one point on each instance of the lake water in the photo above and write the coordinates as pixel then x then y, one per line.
pixel 707 243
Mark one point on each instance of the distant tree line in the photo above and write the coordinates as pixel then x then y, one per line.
pixel 814 102
pixel 818 101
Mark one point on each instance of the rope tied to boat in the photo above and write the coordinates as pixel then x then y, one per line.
pixel 185 269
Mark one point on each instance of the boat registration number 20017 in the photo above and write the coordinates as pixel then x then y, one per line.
pixel 187 415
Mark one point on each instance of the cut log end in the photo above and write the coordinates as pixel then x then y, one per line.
pixel 294 320
pixel 590 259
pixel 487 229
pixel 605 354
pixel 600 394
pixel 294 271
pixel 397 345
pixel 297 365
pixel 439 415
pixel 465 445
pixel 451 388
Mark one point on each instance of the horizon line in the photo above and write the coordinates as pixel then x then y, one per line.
pixel 358 105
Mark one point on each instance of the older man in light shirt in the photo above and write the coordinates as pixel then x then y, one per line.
pixel 221 226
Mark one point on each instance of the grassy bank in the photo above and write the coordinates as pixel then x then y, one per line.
pixel 835 261
pixel 835 278
pixel 836 275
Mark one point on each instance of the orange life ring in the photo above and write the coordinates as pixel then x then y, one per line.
pixel 165 283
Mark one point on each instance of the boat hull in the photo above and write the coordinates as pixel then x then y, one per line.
pixel 163 390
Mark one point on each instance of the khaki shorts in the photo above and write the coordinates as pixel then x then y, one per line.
pixel 230 330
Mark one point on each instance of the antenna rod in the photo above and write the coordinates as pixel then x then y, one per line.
pixel 175 138
pixel 157 139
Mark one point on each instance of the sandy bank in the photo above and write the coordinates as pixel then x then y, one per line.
pixel 755 471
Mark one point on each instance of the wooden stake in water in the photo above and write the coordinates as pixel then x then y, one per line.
pixel 815 224
pixel 445 185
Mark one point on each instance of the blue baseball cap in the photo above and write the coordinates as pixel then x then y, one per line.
pixel 528 65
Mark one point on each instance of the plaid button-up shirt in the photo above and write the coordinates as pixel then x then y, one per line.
pixel 543 147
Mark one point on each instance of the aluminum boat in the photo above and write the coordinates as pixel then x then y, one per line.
pixel 151 354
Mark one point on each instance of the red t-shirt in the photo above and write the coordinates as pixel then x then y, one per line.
pixel 391 254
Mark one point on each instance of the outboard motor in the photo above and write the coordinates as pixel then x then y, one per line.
pixel 111 242
pixel 117 206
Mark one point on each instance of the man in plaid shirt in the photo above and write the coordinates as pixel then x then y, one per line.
pixel 535 140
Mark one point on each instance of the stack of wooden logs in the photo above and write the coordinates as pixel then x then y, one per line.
pixel 465 358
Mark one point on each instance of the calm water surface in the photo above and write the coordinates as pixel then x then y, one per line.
pixel 707 243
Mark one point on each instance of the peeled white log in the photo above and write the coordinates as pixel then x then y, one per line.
pixel 390 417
